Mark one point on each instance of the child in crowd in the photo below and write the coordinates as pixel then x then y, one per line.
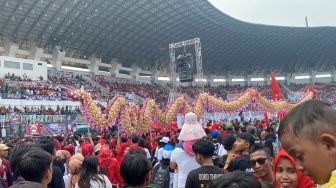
pixel 308 134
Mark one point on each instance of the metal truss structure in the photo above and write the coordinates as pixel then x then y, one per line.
pixel 199 67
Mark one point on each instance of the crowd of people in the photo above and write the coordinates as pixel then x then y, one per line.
pixel 216 155
pixel 40 110
pixel 51 89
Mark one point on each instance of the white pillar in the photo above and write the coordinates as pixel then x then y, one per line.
pixel 35 52
pixel 155 75
pixel 248 80
pixel 312 75
pixel 10 48
pixel 58 56
pixel 115 67
pixel 267 79
pixel 228 79
pixel 333 74
pixel 290 77
pixel 94 64
pixel 135 72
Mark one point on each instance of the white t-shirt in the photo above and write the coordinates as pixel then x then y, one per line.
pixel 156 152
pixel 147 153
pixel 160 154
pixel 222 151
pixel 185 164
pixel 96 184
pixel 66 180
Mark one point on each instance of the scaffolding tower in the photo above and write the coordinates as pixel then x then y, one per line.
pixel 199 67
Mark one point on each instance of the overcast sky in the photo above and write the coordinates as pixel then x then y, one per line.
pixel 281 12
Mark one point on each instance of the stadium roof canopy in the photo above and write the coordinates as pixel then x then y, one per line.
pixel 139 31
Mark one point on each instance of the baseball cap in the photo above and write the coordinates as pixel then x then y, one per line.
pixel 3 147
pixel 269 129
pixel 214 133
pixel 228 126
pixel 165 140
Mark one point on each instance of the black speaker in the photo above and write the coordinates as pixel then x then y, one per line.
pixel 185 68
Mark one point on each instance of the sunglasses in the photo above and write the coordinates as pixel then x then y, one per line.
pixel 260 161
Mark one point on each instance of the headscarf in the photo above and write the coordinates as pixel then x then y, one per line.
pixel 57 145
pixel 105 154
pixel 90 148
pixel 303 180
pixel 65 155
pixel 85 151
pixel 121 150
pixel 187 146
pixel 70 149
pixel 84 144
pixel 191 129
pixel 75 167
pixel 101 141
pixel 60 154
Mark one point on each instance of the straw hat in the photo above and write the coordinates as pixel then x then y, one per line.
pixel 191 129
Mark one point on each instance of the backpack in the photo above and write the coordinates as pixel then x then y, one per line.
pixel 160 175
pixel 103 170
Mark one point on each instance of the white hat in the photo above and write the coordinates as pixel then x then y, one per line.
pixel 165 140
pixel 191 129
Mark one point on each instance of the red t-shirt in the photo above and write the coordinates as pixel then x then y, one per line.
pixel 214 126
pixel 5 163
pixel 137 147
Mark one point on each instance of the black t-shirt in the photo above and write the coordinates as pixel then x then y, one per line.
pixel 221 161
pixel 57 178
pixel 240 163
pixel 215 156
pixel 202 176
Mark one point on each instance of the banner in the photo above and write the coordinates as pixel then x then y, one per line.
pixel 13 125
pixel 71 123
pixel 34 128
pixel 53 129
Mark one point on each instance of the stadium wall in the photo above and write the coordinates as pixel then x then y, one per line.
pixel 32 68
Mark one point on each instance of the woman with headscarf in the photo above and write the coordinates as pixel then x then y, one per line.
pixel 183 156
pixel 70 149
pixel 121 149
pixel 84 151
pixel 106 160
pixel 65 156
pixel 90 148
pixel 286 175
pixel 75 167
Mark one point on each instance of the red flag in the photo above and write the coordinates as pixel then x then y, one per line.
pixel 266 118
pixel 276 91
